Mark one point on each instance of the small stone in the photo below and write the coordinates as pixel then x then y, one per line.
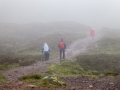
pixel 90 86
pixel 85 81
pixel 32 86
pixel 72 88
pixel 15 71
pixel 111 83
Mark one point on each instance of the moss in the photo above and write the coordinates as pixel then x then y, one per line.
pixel 44 81
pixel 67 68
pixel 111 74
pixel 32 76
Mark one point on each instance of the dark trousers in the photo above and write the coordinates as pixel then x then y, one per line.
pixel 46 56
pixel 62 55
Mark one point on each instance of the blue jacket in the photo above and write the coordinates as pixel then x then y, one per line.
pixel 63 48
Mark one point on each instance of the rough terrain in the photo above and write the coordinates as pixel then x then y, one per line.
pixel 74 83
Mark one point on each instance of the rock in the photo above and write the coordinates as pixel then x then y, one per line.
pixel 15 71
pixel 85 81
pixel 111 83
pixel 90 86
pixel 32 86
pixel 72 88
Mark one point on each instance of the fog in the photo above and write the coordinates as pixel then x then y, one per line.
pixel 89 12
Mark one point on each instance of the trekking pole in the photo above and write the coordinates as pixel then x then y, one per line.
pixel 41 56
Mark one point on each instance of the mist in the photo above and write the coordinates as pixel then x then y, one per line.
pixel 88 12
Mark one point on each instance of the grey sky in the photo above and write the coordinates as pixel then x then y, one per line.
pixel 88 12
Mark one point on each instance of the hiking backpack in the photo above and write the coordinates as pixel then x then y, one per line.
pixel 61 45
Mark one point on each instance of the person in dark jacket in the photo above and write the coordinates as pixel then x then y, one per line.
pixel 46 51
pixel 62 47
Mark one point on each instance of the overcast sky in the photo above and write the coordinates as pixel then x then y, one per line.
pixel 88 12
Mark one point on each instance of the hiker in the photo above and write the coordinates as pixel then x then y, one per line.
pixel 62 47
pixel 92 33
pixel 46 51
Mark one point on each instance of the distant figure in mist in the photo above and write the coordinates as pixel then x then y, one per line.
pixel 62 47
pixel 46 51
pixel 92 33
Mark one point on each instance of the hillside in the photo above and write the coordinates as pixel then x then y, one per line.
pixel 39 29
pixel 20 42
pixel 90 70
pixel 23 36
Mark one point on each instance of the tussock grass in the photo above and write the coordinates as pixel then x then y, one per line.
pixel 88 65
pixel 2 78
pixel 101 63
pixel 31 76
pixel 43 80
pixel 67 68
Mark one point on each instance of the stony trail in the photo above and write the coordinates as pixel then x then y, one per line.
pixel 77 47
pixel 73 83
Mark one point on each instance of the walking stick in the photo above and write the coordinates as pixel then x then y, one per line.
pixel 41 56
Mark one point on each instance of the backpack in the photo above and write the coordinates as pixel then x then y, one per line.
pixel 61 45
pixel 46 48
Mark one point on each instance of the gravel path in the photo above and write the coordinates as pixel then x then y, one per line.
pixel 87 83
pixel 75 48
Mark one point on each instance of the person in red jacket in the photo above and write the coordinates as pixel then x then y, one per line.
pixel 92 33
pixel 62 47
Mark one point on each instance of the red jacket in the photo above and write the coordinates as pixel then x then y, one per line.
pixel 92 32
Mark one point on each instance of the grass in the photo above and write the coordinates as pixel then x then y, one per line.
pixel 108 44
pixel 101 60
pixel 2 78
pixel 43 80
pixel 32 53
pixel 27 53
pixel 33 76
pixel 67 68
pixel 101 63
pixel 88 65
pixel 7 66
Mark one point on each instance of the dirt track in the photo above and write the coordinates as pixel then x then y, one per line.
pixel 75 48
pixel 74 83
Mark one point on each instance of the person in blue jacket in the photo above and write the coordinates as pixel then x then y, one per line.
pixel 46 51
pixel 62 47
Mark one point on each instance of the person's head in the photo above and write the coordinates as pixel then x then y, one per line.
pixel 45 43
pixel 61 40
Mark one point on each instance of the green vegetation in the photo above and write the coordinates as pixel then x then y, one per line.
pixel 27 54
pixel 33 76
pixel 7 66
pixel 89 65
pixel 102 59
pixel 101 63
pixel 2 78
pixel 104 56
pixel 106 45
pixel 20 44
pixel 109 45
pixel 43 80
pixel 67 68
